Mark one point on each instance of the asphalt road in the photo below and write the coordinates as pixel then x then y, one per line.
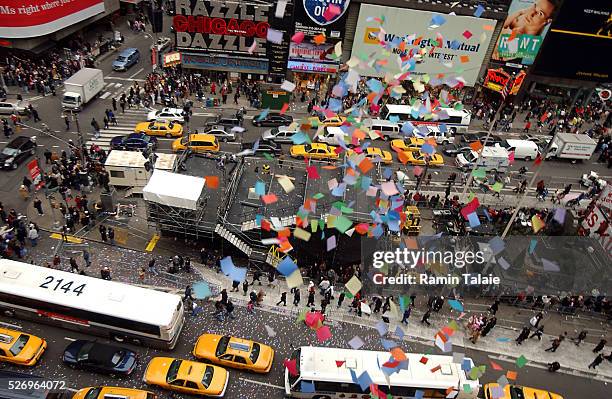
pixel 287 335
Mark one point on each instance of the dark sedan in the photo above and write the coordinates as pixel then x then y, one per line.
pixel 134 141
pixel 455 149
pixel 17 151
pixel 104 358
pixel 273 119
pixel 468 138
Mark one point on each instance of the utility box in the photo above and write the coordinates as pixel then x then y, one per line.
pixel 273 97
pixel 127 169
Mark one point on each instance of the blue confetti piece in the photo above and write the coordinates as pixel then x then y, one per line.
pixel 300 138
pixel 428 148
pixel 455 304
pixel 238 274
pixel 479 10
pixel 387 172
pixel 286 266
pixel 442 127
pixel 419 394
pixel 438 20
pixel 260 188
pixel 394 118
pixel 263 114
pixel 307 387
pixel 466 365
pixel 388 344
pixel 408 128
pixel 473 219
pixel 227 265
pixel 364 381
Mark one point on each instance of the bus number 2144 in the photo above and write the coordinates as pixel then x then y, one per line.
pixel 51 283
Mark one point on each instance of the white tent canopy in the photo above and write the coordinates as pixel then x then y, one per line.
pixel 173 189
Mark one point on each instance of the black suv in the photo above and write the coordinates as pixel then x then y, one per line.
pixel 17 151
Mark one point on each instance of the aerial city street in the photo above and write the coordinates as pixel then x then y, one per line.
pixel 305 199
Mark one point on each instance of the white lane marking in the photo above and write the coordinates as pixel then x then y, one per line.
pixel 118 85
pixel 136 73
pixel 11 325
pixel 105 95
pixel 266 384
pixel 126 79
pixel 70 339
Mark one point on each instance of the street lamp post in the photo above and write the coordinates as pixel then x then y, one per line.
pixel 80 136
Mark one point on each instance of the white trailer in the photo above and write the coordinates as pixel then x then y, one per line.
pixel 490 159
pixel 81 87
pixel 571 146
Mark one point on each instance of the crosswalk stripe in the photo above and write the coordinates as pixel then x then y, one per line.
pixel 118 85
pixel 105 95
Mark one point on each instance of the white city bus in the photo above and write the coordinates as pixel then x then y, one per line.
pixel 457 121
pixel 317 368
pixel 90 305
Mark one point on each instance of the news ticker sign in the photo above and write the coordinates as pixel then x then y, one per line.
pixel 19 19
pixel 219 26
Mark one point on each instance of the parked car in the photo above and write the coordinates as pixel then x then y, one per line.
pixel 163 43
pixel 468 138
pixel 227 121
pixel 167 114
pixel 264 146
pixel 16 151
pixel 19 348
pixel 281 134
pixel 221 133
pixel 11 106
pixel 95 356
pixel 273 119
pixel 126 58
pixel 134 141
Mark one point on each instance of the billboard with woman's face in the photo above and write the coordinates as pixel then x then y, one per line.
pixel 524 30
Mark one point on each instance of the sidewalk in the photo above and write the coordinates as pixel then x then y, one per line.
pixel 500 342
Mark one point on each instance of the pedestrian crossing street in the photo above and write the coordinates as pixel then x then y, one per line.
pixel 111 89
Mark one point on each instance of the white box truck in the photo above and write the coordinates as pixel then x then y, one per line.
pixel 490 159
pixel 81 87
pixel 571 146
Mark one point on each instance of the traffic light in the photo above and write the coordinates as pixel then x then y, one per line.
pixel 157 21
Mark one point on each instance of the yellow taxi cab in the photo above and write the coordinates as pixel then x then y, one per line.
pixel 314 151
pixel 419 158
pixel 374 153
pixel 20 348
pixel 335 120
pixel 167 129
pixel 410 144
pixel 186 376
pixel 234 352
pixel 113 392
pixel 196 143
pixel 520 392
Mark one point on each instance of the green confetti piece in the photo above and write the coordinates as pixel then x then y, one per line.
pixel 479 173
pixel 497 187
pixel 521 361
pixel 458 106
pixel 318 196
pixel 268 156
pixel 467 388
pixel 348 295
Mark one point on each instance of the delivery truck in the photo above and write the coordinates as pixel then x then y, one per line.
pixel 81 88
pixel 575 147
pixel 491 159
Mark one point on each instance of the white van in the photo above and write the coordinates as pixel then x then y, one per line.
pixel 523 149
pixel 387 129
pixel 441 138
pixel 332 135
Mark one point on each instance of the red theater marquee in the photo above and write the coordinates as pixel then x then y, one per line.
pixel 221 26
pixel 22 19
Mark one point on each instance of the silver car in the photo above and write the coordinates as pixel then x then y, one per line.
pixel 281 134
pixel 13 106
pixel 221 134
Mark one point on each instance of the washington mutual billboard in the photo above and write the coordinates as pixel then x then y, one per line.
pixel 456 46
